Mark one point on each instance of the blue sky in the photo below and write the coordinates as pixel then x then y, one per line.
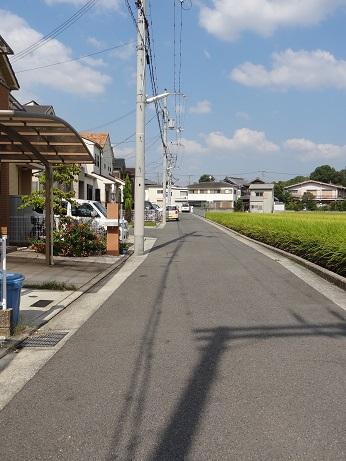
pixel 265 80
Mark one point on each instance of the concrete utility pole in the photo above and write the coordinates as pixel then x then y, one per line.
pixel 140 131
pixel 164 160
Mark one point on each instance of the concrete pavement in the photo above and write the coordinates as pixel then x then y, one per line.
pixel 210 350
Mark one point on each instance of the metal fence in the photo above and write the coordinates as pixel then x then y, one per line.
pixel 149 215
pixel 24 229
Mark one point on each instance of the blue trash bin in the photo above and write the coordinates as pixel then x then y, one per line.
pixel 14 282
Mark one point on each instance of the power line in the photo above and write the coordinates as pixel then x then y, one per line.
pixel 110 122
pixel 133 134
pixel 55 32
pixel 75 59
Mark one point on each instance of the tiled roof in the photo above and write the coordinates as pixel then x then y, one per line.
pixel 98 138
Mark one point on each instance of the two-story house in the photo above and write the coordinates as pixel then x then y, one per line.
pixel 96 181
pixel 261 198
pixel 212 194
pixel 323 193
pixel 154 193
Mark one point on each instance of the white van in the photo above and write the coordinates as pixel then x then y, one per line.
pixel 90 209
pixel 96 211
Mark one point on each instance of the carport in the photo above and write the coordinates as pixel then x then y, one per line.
pixel 45 139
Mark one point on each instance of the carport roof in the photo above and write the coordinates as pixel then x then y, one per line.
pixel 27 138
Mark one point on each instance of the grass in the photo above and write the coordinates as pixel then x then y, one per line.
pixel 150 224
pixel 317 237
pixel 54 286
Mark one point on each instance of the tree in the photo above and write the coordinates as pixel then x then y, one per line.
pixel 206 178
pixel 63 177
pixel 280 193
pixel 308 201
pixel 238 205
pixel 128 199
pixel 324 173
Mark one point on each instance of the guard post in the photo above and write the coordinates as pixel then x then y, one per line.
pixel 113 229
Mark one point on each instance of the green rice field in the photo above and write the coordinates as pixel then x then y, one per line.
pixel 317 237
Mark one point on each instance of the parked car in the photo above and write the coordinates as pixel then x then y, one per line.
pixel 157 207
pixel 185 207
pixel 90 209
pixel 172 213
pixel 148 205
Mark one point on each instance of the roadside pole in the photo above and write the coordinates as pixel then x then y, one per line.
pixel 3 267
pixel 164 162
pixel 140 131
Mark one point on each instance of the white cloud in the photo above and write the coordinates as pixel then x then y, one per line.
pixel 308 150
pixel 202 107
pixel 73 77
pixel 295 69
pixel 106 4
pixel 193 147
pixel 227 19
pixel 98 44
pixel 243 142
pixel 124 53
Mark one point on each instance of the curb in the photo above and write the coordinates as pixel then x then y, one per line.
pixel 66 302
pixel 328 275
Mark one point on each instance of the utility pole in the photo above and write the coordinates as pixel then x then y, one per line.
pixel 164 160
pixel 140 130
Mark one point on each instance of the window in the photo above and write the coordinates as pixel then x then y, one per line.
pixel 98 195
pixel 259 194
pixel 89 192
pixel 82 211
pixel 159 191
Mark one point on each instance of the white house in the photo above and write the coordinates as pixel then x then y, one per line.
pixel 322 192
pixel 218 195
pixel 261 198
pixel 154 194
pixel 96 181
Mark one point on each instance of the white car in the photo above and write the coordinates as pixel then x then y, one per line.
pixel 172 213
pixel 185 208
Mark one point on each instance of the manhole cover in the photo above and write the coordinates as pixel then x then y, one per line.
pixel 42 303
pixel 49 339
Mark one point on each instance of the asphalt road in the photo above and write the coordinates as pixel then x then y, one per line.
pixel 209 351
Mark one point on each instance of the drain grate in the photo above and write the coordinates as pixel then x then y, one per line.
pixel 42 303
pixel 49 339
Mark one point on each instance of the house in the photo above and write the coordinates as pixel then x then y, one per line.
pixel 15 178
pixel 36 108
pixel 119 167
pixel 242 189
pixel 261 198
pixel 96 181
pixel 323 193
pixel 212 194
pixel 154 193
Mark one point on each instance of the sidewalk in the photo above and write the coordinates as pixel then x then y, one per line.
pixel 49 289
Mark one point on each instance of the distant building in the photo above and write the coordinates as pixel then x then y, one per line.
pixel 154 194
pixel 212 194
pixel 261 198
pixel 323 193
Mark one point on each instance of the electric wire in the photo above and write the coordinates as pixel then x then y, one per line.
pixel 110 122
pixel 55 32
pixel 76 59
pixel 133 134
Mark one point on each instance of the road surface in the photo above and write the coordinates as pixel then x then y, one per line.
pixel 208 351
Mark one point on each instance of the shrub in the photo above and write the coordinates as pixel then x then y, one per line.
pixel 74 238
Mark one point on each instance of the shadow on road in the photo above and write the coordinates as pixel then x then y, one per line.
pixel 176 439
pixel 128 426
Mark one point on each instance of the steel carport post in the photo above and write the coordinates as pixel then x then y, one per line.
pixel 4 269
